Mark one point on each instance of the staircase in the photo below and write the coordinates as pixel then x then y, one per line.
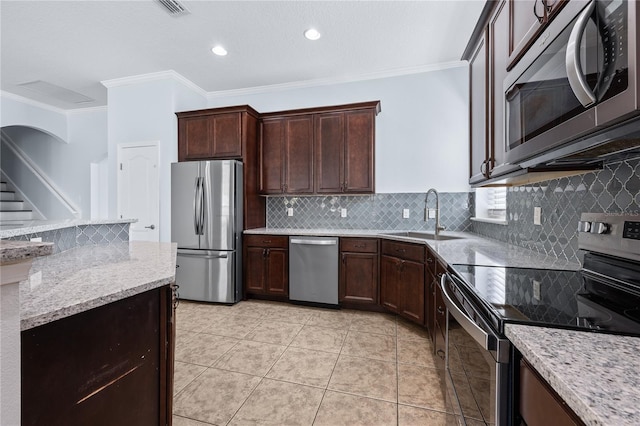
pixel 12 212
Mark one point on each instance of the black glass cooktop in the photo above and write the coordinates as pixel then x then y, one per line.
pixel 556 298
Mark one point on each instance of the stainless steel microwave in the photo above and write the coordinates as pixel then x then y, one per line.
pixel 574 96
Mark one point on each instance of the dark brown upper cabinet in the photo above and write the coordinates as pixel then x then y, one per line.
pixel 326 150
pixel 527 19
pixel 488 56
pixel 217 133
pixel 229 133
pixel 286 155
pixel 345 157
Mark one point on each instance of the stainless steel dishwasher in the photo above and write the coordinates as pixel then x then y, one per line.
pixel 313 269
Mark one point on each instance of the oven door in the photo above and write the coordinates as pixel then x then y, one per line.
pixel 477 361
pixel 574 80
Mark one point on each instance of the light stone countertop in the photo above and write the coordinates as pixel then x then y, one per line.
pixel 597 375
pixel 87 277
pixel 34 226
pixel 467 249
pixel 17 251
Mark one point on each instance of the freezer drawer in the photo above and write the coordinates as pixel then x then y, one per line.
pixel 313 269
pixel 208 276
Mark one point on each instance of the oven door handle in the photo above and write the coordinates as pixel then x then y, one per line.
pixel 478 334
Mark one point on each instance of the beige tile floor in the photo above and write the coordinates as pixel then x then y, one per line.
pixel 272 363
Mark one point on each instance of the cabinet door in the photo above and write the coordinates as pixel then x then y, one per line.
pixel 195 139
pixel 389 279
pixel 478 113
pixel 329 159
pixel 272 156
pixel 226 130
pixel 523 25
pixel 299 155
pixel 277 274
pixel 255 270
pixel 411 291
pixel 499 46
pixel 527 20
pixel 359 278
pixel 359 152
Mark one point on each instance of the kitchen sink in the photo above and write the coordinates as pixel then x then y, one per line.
pixel 422 235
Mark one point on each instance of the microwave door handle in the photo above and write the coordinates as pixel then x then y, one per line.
pixel 577 79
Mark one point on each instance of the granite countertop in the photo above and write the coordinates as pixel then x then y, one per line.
pixel 596 374
pixel 17 251
pixel 86 277
pixel 33 226
pixel 466 249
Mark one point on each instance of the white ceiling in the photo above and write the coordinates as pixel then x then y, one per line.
pixel 78 44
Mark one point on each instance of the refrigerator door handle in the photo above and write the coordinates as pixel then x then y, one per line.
pixel 201 206
pixel 196 187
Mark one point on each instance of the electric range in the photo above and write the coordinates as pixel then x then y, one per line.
pixel 603 296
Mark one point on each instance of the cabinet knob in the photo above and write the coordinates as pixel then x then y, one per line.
pixel 440 354
pixel 440 310
pixel 429 260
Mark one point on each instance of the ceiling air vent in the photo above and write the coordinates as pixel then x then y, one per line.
pixel 56 92
pixel 174 7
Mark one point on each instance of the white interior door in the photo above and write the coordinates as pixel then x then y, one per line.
pixel 139 189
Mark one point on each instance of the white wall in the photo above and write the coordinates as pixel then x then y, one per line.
pixel 145 111
pixel 65 162
pixel 422 132
pixel 16 111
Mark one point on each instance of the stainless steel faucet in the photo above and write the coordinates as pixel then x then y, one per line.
pixel 426 211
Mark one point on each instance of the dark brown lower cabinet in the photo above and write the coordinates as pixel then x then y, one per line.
pixel 112 365
pixel 266 265
pixel 358 271
pixel 539 404
pixel 402 279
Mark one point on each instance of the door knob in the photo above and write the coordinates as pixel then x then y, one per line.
pixel 151 227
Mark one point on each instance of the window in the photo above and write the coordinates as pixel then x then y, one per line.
pixel 491 205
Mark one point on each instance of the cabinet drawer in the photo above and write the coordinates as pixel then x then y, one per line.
pixel 359 245
pixel 406 251
pixel 271 241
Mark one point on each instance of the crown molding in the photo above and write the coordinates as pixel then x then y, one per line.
pixel 398 72
pixel 100 108
pixel 154 76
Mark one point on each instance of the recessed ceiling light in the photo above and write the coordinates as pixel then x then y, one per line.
pixel 219 50
pixel 312 34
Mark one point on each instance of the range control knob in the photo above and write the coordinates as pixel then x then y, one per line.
pixel 584 226
pixel 599 228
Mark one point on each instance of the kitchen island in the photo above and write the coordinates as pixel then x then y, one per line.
pixel 105 313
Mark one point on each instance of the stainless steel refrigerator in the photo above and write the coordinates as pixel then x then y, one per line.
pixel 206 223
